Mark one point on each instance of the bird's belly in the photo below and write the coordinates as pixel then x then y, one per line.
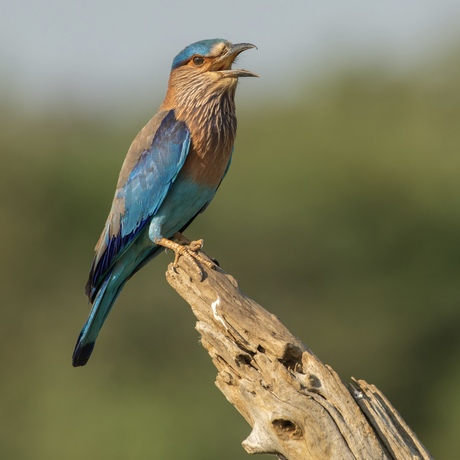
pixel 183 202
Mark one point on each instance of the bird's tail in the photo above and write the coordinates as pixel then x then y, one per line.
pixel 105 298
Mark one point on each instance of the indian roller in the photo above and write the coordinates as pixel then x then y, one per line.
pixel 171 172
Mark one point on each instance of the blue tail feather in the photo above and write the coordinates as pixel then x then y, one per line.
pixel 103 302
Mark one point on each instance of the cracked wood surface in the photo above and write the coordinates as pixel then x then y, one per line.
pixel 297 406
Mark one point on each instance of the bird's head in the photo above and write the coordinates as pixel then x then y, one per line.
pixel 204 68
pixel 215 56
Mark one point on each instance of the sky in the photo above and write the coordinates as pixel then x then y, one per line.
pixel 98 52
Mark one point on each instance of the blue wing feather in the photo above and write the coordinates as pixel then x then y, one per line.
pixel 154 173
pixel 141 195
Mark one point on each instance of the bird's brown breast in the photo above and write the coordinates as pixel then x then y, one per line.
pixel 212 138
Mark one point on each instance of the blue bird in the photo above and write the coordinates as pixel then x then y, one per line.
pixel 170 174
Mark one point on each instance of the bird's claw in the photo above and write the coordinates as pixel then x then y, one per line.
pixel 183 247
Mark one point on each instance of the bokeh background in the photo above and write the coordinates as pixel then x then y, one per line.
pixel 340 214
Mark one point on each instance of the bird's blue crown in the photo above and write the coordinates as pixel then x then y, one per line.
pixel 203 48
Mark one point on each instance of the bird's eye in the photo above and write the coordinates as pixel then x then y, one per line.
pixel 198 60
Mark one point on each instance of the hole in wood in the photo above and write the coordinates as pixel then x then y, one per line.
pixel 313 382
pixel 243 359
pixel 285 429
pixel 292 358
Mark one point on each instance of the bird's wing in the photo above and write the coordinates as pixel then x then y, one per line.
pixel 150 168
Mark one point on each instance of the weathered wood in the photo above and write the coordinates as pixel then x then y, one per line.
pixel 297 406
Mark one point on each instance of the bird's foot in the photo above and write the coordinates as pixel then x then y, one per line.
pixel 183 247
pixel 182 239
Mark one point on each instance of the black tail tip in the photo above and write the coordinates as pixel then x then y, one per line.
pixel 81 354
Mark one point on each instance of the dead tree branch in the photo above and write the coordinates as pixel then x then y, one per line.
pixel 297 406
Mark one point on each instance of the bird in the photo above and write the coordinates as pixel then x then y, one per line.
pixel 171 173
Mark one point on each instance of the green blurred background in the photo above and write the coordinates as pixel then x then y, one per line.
pixel 340 214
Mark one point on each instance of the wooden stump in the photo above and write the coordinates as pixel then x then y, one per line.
pixel 297 406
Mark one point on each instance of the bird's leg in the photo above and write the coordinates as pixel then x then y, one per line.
pixel 189 249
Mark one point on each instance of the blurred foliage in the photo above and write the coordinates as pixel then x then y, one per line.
pixel 341 214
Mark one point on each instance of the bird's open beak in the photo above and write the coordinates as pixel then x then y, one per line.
pixel 224 64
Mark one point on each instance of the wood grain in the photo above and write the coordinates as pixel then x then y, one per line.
pixel 297 406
